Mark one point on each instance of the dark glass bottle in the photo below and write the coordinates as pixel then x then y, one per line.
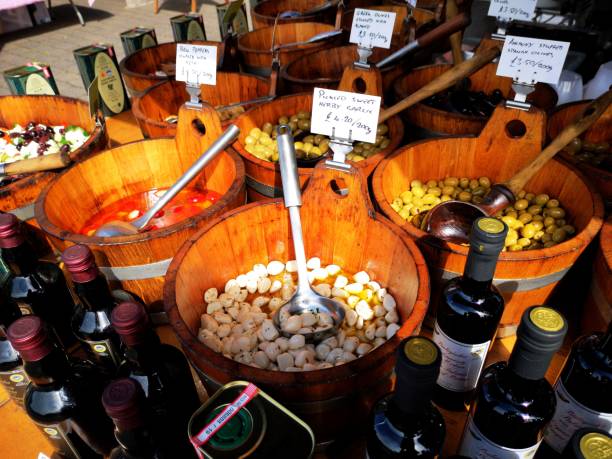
pixel 64 402
pixel 91 322
pixel 124 402
pixel 163 373
pixel 38 287
pixel 405 424
pixel 468 314
pixel 514 402
pixel 583 390
pixel 588 444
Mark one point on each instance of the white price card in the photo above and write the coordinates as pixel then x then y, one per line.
pixel 520 10
pixel 372 28
pixel 531 60
pixel 345 115
pixel 196 64
pixel 412 3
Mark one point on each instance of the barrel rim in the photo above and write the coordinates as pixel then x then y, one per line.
pixel 605 242
pixel 263 18
pixel 53 230
pixel 342 372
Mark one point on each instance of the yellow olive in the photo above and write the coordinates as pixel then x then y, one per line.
pixel 515 248
pixel 538 225
pixel 324 146
pixel 406 196
pixel 435 191
pixel 418 192
pixel 267 128
pixel 524 242
pixel 431 183
pixel 538 235
pixel 528 231
pixel 512 214
pixel 509 220
pixel 416 183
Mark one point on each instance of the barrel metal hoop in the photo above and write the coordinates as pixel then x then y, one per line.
pixel 518 285
pixel 259 71
pixel 23 213
pixel 136 272
pixel 262 188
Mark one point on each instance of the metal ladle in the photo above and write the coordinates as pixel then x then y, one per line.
pixel 305 299
pixel 452 220
pixel 120 228
pixel 290 14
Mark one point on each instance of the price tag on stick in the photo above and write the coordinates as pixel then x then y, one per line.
pixel 196 64
pixel 506 10
pixel 345 115
pixel 93 97
pixel 531 60
pixel 372 28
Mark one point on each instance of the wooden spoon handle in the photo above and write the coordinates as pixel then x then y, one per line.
pixel 446 80
pixel 455 39
pixel 37 164
pixel 580 124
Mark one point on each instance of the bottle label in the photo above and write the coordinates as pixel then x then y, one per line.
pixel 476 446
pixel 15 382
pixel 57 435
pixel 109 82
pixel 571 416
pixel 461 363
pixel 36 84
pixel 104 351
pixel 194 31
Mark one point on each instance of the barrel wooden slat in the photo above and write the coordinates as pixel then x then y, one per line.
pixel 79 193
pixel 338 230
pixel 597 311
pixel 264 13
pixel 429 121
pixel 527 277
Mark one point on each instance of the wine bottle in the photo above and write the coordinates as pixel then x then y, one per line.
pixel 38 287
pixel 468 314
pixel 163 373
pixel 91 322
pixel 514 402
pixel 583 391
pixel 405 424
pixel 64 402
pixel 124 402
pixel 588 444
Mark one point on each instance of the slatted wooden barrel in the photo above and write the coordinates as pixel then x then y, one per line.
pixel 138 69
pixel 165 98
pixel 338 229
pixel 139 261
pixel 18 197
pixel 426 121
pixel 264 13
pixel 525 278
pixel 255 48
pixel 597 312
pixel 600 132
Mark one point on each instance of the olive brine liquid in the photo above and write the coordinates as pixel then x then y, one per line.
pixel 405 424
pixel 514 402
pixel 468 314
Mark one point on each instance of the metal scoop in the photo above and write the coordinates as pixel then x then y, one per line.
pixel 313 39
pixel 305 299
pixel 452 220
pixel 121 228
pixel 290 14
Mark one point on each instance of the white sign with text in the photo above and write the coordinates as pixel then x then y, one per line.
pixel 412 3
pixel 196 64
pixel 345 115
pixel 520 10
pixel 372 28
pixel 531 60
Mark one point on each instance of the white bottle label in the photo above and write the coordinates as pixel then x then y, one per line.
pixel 476 446
pixel 571 416
pixel 461 363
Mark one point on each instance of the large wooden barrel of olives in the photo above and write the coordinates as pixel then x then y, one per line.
pixel 263 177
pixel 139 262
pixel 264 13
pixel 593 154
pixel 157 103
pixel 597 312
pixel 338 229
pixel 509 141
pixel 425 120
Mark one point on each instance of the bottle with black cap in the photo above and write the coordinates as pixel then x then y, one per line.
pixel 514 401
pixel 584 392
pixel 467 317
pixel 589 444
pixel 405 424
pixel 63 400
pixel 124 402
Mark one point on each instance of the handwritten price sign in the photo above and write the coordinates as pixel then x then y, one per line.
pixel 372 28
pixel 531 60
pixel 412 3
pixel 521 10
pixel 345 115
pixel 196 64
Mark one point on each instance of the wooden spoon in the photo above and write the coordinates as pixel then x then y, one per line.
pixel 455 39
pixel 37 164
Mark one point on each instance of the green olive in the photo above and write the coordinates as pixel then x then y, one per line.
pixel 551 229
pixel 559 235
pixel 303 115
pixel 464 182
pixel 534 210
pixel 474 184
pixel 575 145
pixel 431 183
pixel 538 218
pixel 521 204
pixel 324 146
pixel 549 244
pixel 294 118
pixel 560 222
pixel 304 124
pixel 309 139
pixel 434 190
pixel 465 196
pixel 541 199
pixel 549 221
pixel 283 120
pixel 546 237
pixel 552 203
pixel 485 181
pixel 479 191
pixel 267 128
pixel 447 190
pixel 318 138
pixel 451 181
pixel 293 125
pixel 513 214
pixel 525 217
pixel 556 212
pixel 569 229
pixel 385 143
pixel 521 194
pixel 530 197
pixel 382 129
pixel 477 199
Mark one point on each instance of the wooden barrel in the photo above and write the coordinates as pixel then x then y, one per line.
pixel 139 261
pixel 524 278
pixel 426 121
pixel 264 13
pixel 263 177
pixel 600 132
pixel 165 98
pixel 338 229
pixel 138 69
pixel 255 47
pixel 597 312
pixel 18 197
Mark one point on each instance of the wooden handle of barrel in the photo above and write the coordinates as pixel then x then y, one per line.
pixel 458 22
pixel 37 164
pixel 455 39
pixel 581 123
pixel 444 81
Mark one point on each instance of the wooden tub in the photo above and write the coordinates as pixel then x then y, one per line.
pixel 264 13
pixel 597 311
